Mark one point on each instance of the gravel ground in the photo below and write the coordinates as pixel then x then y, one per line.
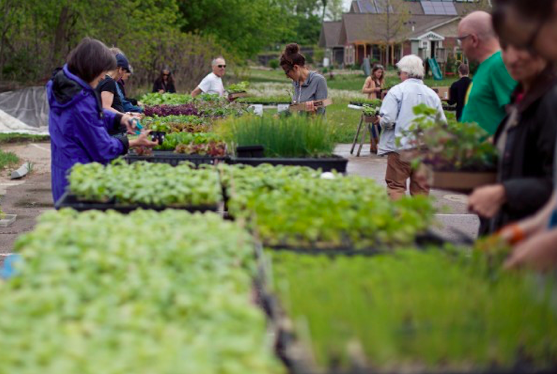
pixel 27 197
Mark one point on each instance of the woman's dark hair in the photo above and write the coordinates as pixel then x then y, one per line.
pixel 292 56
pixel 170 78
pixel 375 68
pixel 90 59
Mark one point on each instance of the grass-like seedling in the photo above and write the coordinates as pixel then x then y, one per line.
pixel 7 159
pixel 294 136
pixel 417 311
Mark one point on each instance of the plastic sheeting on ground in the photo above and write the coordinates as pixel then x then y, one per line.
pixel 24 111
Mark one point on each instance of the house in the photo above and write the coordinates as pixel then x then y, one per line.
pixel 329 39
pixel 386 33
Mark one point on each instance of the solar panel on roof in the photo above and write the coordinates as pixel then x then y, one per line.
pixel 450 9
pixel 439 7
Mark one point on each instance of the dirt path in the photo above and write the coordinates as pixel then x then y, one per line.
pixel 27 197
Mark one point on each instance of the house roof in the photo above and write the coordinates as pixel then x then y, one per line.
pixel 415 7
pixel 370 28
pixel 330 33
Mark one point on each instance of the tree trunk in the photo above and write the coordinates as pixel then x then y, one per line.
pixel 59 35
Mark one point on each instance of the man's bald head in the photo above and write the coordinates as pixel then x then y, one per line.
pixel 479 23
pixel 477 37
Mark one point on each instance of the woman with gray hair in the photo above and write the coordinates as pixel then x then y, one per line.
pixel 396 116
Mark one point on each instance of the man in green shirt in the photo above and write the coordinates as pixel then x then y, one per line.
pixel 492 85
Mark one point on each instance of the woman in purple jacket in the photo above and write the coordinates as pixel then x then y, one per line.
pixel 77 123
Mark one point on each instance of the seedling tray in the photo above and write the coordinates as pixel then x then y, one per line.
pixel 174 159
pixel 291 350
pixel 71 201
pixel 7 220
pixel 335 162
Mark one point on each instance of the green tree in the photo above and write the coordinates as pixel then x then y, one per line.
pixel 243 27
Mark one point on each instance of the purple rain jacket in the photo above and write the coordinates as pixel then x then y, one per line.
pixel 79 128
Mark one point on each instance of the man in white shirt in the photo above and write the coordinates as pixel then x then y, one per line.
pixel 212 83
pixel 396 115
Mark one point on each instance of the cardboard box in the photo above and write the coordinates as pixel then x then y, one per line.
pixel 463 182
pixel 443 92
pixel 318 104
pixel 237 95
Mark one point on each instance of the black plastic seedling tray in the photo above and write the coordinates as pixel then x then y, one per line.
pixel 174 159
pixel 71 201
pixel 335 162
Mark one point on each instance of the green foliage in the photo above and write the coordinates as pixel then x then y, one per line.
pixel 245 27
pixel 294 207
pixel 238 87
pixel 274 64
pixel 7 159
pixel 294 136
pixel 178 124
pixel 220 108
pixel 166 98
pixel 140 293
pixel 417 311
pixel 194 143
pixel 13 138
pixel 145 183
pixel 371 111
pixel 452 145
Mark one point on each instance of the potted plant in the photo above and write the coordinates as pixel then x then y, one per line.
pixel 459 155
pixel 237 90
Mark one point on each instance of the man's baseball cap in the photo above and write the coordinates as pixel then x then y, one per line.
pixel 122 62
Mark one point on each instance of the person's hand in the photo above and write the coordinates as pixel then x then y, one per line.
pixel 161 91
pixel 143 140
pixel 129 122
pixel 310 106
pixel 377 119
pixel 539 252
pixel 486 201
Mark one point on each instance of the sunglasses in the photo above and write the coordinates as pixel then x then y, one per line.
pixel 222 66
pixel 165 75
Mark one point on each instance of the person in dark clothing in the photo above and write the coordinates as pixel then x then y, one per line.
pixel 526 143
pixel 459 89
pixel 130 105
pixel 164 83
pixel 108 88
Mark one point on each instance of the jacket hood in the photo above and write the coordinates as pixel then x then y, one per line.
pixel 64 88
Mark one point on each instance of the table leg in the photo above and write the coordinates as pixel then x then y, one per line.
pixel 357 134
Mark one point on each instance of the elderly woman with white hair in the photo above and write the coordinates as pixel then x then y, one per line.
pixel 396 115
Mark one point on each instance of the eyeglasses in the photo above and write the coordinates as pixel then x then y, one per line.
pixel 460 39
pixel 222 66
pixel 165 75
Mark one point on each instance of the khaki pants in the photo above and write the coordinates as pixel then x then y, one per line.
pixel 398 172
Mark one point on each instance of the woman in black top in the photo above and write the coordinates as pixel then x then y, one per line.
pixel 108 88
pixel 526 143
pixel 459 89
pixel 164 83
